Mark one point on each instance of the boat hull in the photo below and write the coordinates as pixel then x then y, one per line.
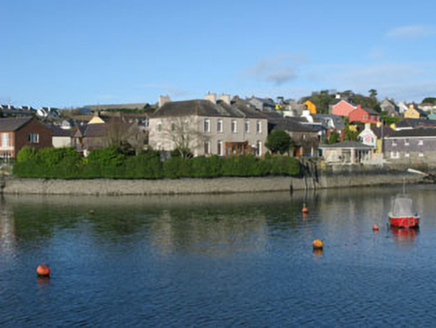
pixel 409 222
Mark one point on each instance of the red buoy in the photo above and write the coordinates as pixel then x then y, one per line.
pixel 375 227
pixel 305 209
pixel 43 270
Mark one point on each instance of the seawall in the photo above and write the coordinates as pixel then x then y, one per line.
pixel 326 178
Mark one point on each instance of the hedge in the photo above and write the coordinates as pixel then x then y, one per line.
pixel 67 163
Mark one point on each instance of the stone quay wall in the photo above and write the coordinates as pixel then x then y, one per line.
pixel 325 178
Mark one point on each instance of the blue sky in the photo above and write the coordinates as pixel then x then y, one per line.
pixel 72 53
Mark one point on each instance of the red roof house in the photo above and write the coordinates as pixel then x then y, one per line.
pixel 342 108
pixel 364 115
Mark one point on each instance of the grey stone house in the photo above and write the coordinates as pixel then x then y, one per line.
pixel 411 146
pixel 305 137
pixel 263 105
pixel 208 127
pixel 388 106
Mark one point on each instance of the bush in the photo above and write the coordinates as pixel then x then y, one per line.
pixel 284 165
pixel 66 163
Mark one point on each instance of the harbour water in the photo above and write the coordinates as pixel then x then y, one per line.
pixel 217 260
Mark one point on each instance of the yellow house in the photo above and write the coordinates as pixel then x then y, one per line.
pixel 411 112
pixel 96 120
pixel 310 106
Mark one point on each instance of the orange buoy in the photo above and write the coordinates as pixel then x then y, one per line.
pixel 317 244
pixel 375 227
pixel 305 209
pixel 43 270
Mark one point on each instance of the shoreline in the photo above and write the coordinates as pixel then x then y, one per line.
pixel 322 179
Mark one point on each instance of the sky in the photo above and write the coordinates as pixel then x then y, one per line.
pixel 74 53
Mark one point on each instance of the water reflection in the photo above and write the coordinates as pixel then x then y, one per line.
pixel 215 260
pixel 8 238
pixel 404 237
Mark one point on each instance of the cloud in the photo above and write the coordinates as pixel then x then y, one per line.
pixel 406 81
pixel 278 69
pixel 412 31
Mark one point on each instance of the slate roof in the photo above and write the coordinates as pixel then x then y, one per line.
pixel 338 121
pixel 387 131
pixel 204 108
pixel 415 123
pixel 264 101
pixel 347 144
pixel 288 124
pixel 371 111
pixel 13 124
pixel 418 132
pixel 59 132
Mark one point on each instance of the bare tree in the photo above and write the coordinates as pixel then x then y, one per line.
pixel 185 135
pixel 120 133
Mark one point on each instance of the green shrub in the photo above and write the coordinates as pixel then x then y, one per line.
pixel 66 163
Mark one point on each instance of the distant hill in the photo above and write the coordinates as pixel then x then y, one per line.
pixel 118 106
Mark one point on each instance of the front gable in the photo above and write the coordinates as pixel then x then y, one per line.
pixel 368 137
pixel 343 108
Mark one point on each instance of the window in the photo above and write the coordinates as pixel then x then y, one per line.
pixel 394 142
pixel 234 126
pixel 34 138
pixel 206 125
pixel 5 155
pixel 247 127
pixel 395 154
pixel 159 127
pixel 206 147
pixel 219 147
pixel 420 142
pixel 259 148
pixel 5 139
pixel 219 126
pixel 258 127
pixel 173 127
pixel 406 142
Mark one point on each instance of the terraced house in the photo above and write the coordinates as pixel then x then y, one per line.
pixel 411 146
pixel 207 127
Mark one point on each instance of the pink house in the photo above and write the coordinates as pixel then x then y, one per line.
pixel 342 108
pixel 364 115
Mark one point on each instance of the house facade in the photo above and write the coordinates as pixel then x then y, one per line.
pixel 387 106
pixel 15 133
pixel 346 152
pixel 412 112
pixel 311 107
pixel 208 128
pixel 411 146
pixel 342 108
pixel 374 136
pixel 364 115
pixel 263 105
pixel 305 137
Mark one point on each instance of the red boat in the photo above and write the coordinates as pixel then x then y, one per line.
pixel 402 214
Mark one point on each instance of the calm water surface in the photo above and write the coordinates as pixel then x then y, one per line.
pixel 233 260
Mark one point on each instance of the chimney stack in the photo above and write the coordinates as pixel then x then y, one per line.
pixel 226 98
pixel 211 97
pixel 163 100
